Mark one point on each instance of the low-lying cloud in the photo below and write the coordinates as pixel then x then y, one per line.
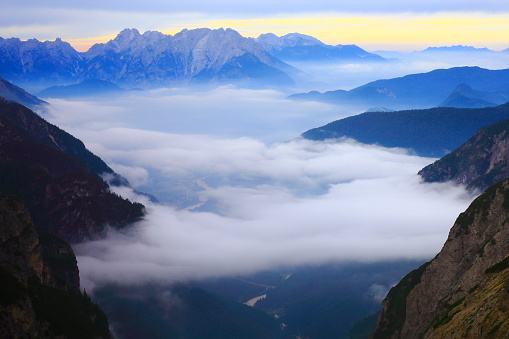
pixel 260 205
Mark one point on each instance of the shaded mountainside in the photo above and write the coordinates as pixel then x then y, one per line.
pixel 322 301
pixel 183 311
pixel 462 292
pixel 421 90
pixel 465 96
pixel 14 93
pixel 480 162
pixel 57 178
pixel 86 88
pixel 429 132
pixel 39 284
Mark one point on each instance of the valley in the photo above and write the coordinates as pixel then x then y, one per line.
pixel 207 184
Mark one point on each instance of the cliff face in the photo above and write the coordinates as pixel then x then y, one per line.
pixel 480 162
pixel 462 292
pixel 39 283
pixel 58 178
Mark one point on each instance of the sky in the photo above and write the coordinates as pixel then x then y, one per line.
pixel 374 25
pixel 266 199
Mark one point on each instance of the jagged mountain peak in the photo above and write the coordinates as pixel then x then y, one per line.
pixel 456 48
pixel 151 59
pixel 270 41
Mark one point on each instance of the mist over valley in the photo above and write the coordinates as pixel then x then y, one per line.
pixel 255 187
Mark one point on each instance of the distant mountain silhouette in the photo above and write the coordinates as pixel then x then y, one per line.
pixel 429 132
pixel 17 94
pixel 466 97
pixel 86 88
pixel 300 47
pixel 423 90
pixel 457 48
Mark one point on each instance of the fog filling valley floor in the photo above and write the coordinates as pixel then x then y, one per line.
pixel 260 197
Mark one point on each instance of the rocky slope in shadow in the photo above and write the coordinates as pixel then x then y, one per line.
pixel 480 162
pixel 57 178
pixel 40 294
pixel 462 292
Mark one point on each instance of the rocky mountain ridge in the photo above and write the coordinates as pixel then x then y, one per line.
pixel 479 163
pixel 151 59
pixel 443 297
pixel 304 48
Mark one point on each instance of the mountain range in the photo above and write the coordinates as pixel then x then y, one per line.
pixel 426 132
pixel 154 59
pixel 300 47
pixel 423 90
pixel 151 59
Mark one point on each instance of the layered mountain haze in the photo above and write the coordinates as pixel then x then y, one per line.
pixel 426 132
pixel 17 94
pixel 257 230
pixel 86 88
pixel 423 90
pixel 465 96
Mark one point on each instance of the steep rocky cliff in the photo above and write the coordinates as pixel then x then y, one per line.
pixel 462 292
pixel 58 178
pixel 39 283
pixel 480 162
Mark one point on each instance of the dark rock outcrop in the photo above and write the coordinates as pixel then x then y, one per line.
pixel 39 283
pixel 57 178
pixel 479 163
pixel 462 292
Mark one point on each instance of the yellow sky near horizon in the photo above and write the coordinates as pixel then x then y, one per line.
pixel 403 32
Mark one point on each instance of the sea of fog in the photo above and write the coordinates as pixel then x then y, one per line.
pixel 239 192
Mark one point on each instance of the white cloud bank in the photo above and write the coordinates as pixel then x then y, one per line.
pixel 267 205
